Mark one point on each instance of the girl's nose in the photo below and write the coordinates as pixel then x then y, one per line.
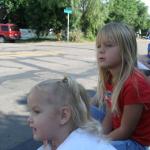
pixel 101 49
pixel 100 52
pixel 29 120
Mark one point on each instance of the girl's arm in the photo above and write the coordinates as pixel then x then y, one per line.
pixel 107 122
pixel 94 100
pixel 130 119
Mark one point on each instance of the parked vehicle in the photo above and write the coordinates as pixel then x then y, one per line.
pixel 27 34
pixel 9 32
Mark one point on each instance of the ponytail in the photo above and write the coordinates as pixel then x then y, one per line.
pixel 81 114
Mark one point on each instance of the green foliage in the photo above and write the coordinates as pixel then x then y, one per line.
pixel 2 11
pixel 43 15
pixel 14 11
pixel 75 17
pixel 53 3
pixel 93 17
pixel 90 35
pixel 123 10
pixel 75 36
pixel 143 19
pixel 87 16
pixel 132 12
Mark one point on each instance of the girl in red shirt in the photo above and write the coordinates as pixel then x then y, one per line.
pixel 123 89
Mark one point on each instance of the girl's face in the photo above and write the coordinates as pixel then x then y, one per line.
pixel 108 55
pixel 44 117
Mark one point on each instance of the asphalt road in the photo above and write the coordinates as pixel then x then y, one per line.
pixel 22 65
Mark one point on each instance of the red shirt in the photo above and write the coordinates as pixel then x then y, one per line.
pixel 136 90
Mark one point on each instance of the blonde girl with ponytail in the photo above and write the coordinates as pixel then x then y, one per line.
pixel 59 116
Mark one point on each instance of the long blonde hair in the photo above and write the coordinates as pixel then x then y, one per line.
pixel 67 91
pixel 124 36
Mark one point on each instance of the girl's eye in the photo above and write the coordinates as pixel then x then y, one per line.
pixel 36 111
pixel 99 46
pixel 109 45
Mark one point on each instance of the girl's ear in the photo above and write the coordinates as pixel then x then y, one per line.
pixel 65 115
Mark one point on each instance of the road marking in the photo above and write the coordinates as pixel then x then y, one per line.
pixel 30 53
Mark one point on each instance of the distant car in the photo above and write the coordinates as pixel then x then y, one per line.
pixel 27 34
pixel 9 32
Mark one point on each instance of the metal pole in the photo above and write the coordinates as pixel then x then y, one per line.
pixel 68 29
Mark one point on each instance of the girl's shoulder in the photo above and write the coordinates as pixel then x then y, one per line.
pixel 136 89
pixel 81 139
pixel 138 78
pixel 48 147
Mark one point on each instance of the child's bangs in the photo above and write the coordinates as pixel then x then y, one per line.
pixel 106 35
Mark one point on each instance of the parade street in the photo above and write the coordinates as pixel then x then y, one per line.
pixel 22 65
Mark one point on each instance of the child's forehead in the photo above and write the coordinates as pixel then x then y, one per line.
pixel 106 40
pixel 104 36
pixel 41 95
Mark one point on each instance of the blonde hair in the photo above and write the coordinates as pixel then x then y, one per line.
pixel 123 36
pixel 68 92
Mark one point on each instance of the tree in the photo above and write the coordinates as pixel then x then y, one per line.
pixel 75 17
pixel 3 12
pixel 123 11
pixel 13 11
pixel 142 20
pixel 132 12
pixel 93 17
pixel 45 14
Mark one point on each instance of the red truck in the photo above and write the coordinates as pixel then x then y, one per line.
pixel 9 32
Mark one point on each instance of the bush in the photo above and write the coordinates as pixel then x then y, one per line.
pixel 75 36
pixel 90 36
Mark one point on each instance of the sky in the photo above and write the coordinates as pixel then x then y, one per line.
pixel 147 3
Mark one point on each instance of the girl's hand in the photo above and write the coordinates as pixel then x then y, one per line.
pixel 130 118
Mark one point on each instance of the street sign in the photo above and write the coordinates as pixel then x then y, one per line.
pixel 68 10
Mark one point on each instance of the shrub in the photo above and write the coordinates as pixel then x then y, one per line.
pixel 90 36
pixel 75 36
